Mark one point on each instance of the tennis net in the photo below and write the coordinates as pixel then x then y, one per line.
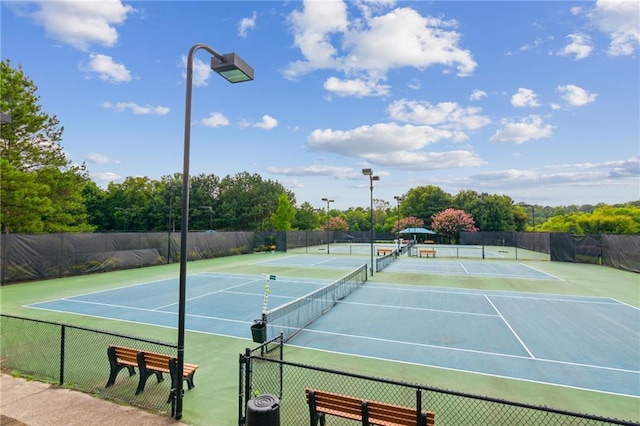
pixel 297 314
pixel 386 260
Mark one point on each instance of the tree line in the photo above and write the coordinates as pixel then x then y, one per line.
pixel 41 191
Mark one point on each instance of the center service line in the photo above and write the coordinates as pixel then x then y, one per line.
pixel 510 328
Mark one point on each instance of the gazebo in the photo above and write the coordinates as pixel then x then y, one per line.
pixel 417 231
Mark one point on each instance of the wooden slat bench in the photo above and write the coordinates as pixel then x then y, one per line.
pixel 323 403
pixel 427 252
pixel 383 251
pixel 149 364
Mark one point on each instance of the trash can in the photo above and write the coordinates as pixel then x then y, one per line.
pixel 263 410
pixel 259 332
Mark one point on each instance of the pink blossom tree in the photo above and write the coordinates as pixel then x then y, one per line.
pixel 448 223
pixel 337 223
pixel 407 222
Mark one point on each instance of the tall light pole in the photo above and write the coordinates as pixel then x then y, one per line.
pixel 398 199
pixel 235 70
pixel 372 177
pixel 328 202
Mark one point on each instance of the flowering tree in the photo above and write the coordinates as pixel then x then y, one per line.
pixel 337 223
pixel 407 222
pixel 448 223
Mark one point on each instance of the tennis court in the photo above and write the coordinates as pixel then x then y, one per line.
pixel 553 339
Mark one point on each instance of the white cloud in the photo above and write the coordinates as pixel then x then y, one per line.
pixel 137 109
pixel 322 28
pixel 82 23
pixel 580 46
pixel 96 158
pixel 355 87
pixel 525 98
pixel 215 119
pixel 312 28
pixel 106 177
pixel 315 170
pixel 445 114
pixel 426 160
pixel 267 123
pixel 201 71
pixel 576 96
pixel 476 95
pixel 620 20
pixel 108 70
pixel 393 145
pixel 246 24
pixel 562 175
pixel 378 138
pixel 528 128
pixel 537 42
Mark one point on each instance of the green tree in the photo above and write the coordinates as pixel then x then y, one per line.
pixel 23 203
pixel 306 218
pixel 35 164
pixel 284 214
pixel 247 201
pixel 425 201
pixel 358 219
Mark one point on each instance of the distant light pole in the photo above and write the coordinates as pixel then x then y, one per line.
pixel 398 199
pixel 235 70
pixel 328 202
pixel 372 177
pixel 210 215
pixel 125 215
pixel 533 221
pixel 482 219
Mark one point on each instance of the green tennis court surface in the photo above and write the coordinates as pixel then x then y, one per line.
pixel 527 336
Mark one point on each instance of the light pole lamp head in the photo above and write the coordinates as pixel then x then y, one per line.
pixel 325 199
pixel 367 172
pixel 375 177
pixel 232 68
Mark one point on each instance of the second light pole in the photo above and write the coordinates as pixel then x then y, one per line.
pixel 328 202
pixel 369 172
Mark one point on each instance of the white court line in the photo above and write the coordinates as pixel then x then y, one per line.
pixel 477 372
pixel 510 328
pixel 465 269
pixel 210 293
pixel 445 311
pixel 448 348
pixel 541 271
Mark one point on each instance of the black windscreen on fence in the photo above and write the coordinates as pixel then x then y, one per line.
pixel 27 257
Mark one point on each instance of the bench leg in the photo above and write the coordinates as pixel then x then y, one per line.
pixel 189 380
pixel 145 374
pixel 115 367
pixel 114 372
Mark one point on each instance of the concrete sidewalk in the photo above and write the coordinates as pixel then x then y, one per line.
pixel 33 403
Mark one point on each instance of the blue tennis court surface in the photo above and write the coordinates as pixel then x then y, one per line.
pixel 574 341
pixel 418 265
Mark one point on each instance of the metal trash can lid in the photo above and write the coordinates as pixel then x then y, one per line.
pixel 263 403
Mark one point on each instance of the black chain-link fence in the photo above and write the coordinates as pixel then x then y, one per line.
pixel 76 358
pixel 287 381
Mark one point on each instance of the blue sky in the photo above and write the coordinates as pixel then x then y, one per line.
pixel 537 100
